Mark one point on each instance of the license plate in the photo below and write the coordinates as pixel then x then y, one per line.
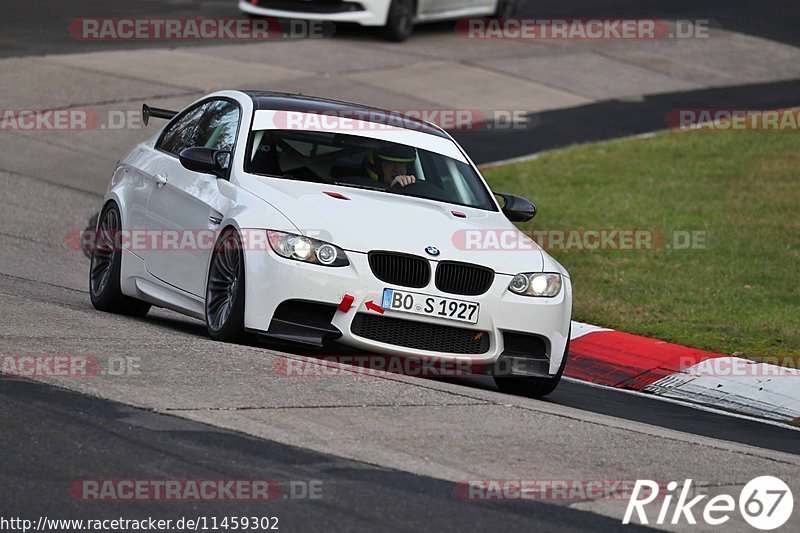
pixel 436 306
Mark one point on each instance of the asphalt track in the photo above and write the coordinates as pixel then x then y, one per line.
pixel 51 436
pixel 38 27
pixel 44 426
pixel 616 118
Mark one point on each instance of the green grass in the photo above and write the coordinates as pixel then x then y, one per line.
pixel 737 295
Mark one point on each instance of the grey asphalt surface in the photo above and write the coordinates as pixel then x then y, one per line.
pixel 436 430
pixel 108 440
pixel 38 26
pixel 610 119
pixel 387 448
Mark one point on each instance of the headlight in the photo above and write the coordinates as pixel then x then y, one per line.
pixel 301 248
pixel 536 284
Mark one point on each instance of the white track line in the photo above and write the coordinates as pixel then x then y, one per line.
pixel 699 407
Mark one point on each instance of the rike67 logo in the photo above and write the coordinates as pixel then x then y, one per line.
pixel 765 503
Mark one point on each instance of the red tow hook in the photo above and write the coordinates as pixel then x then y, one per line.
pixel 346 303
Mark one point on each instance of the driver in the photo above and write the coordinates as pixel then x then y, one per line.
pixel 392 165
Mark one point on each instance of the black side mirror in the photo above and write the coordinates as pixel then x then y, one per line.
pixel 206 161
pixel 516 208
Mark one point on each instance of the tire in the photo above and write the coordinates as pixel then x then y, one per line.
pixel 105 265
pixel 400 22
pixel 224 305
pixel 506 9
pixel 532 387
pixel 91 226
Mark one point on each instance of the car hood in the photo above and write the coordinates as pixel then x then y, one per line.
pixel 373 220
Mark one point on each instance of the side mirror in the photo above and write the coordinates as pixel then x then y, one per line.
pixel 516 208
pixel 206 161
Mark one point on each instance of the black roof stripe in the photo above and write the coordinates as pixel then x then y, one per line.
pixel 278 101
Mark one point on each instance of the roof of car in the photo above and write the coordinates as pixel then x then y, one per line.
pixel 277 101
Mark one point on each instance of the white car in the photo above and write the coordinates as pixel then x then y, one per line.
pixel 396 16
pixel 319 221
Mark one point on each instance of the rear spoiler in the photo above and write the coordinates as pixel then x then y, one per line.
pixel 148 112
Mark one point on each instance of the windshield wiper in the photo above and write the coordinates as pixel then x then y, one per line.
pixel 365 187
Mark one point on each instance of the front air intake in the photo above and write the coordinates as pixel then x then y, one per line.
pixel 420 335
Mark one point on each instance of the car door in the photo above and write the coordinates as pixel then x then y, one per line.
pixel 186 207
pixel 152 167
pixel 139 186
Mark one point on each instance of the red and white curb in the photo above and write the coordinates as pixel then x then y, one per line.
pixel 616 359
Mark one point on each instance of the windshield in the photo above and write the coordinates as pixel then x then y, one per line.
pixel 363 162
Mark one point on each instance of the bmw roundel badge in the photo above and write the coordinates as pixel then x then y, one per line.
pixel 432 250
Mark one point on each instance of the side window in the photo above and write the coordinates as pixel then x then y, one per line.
pixel 212 125
pixel 217 127
pixel 176 137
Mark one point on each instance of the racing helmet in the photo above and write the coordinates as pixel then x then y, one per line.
pixel 394 153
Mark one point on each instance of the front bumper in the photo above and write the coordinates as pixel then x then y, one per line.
pixel 272 280
pixel 364 12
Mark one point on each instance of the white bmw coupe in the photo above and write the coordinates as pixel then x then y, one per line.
pixel 319 221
